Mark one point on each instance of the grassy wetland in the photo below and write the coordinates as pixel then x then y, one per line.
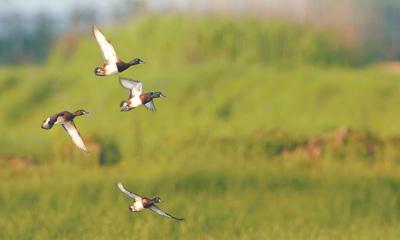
pixel 269 130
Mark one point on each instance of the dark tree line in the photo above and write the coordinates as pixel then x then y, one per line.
pixel 28 39
pixel 25 40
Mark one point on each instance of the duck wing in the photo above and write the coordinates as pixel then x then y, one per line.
pixel 156 209
pixel 109 54
pixel 129 194
pixel 150 106
pixel 74 134
pixel 135 87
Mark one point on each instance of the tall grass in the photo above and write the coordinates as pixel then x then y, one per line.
pixel 227 148
pixel 222 77
pixel 225 203
pixel 243 40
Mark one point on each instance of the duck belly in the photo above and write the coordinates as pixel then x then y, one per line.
pixel 135 102
pixel 111 69
pixel 138 206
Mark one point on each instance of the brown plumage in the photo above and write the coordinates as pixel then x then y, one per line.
pixel 136 95
pixel 112 63
pixel 140 203
pixel 66 119
pixel 61 117
pixel 145 98
pixel 147 202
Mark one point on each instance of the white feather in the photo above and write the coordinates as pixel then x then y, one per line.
pixel 111 69
pixel 135 102
pixel 109 54
pixel 135 86
pixel 74 134
pixel 138 205
pixel 129 194
pixel 45 124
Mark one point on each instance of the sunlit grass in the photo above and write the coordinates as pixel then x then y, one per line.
pixel 209 151
pixel 218 202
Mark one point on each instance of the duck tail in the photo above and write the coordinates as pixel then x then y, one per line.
pixel 48 123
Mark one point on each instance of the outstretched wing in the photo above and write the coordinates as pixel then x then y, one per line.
pixel 134 86
pixel 150 106
pixel 154 208
pixel 129 194
pixel 74 134
pixel 109 54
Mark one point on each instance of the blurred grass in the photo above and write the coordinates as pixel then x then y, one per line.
pixel 226 148
pixel 227 203
pixel 222 77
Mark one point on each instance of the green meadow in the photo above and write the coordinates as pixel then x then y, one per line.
pixel 270 130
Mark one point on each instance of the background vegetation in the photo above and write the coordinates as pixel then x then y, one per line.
pixel 270 130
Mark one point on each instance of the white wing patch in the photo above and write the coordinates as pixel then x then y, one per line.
pixel 74 134
pixel 150 106
pixel 109 54
pixel 135 86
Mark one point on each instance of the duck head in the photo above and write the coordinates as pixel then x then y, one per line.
pixel 98 71
pixel 80 112
pixel 156 200
pixel 157 94
pixel 124 106
pixel 136 61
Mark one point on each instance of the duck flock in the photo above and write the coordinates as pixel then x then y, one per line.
pixel 113 65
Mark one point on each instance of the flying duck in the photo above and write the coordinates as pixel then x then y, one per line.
pixel 66 119
pixel 112 64
pixel 140 203
pixel 136 95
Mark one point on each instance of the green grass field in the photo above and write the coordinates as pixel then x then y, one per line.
pixel 240 200
pixel 229 148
